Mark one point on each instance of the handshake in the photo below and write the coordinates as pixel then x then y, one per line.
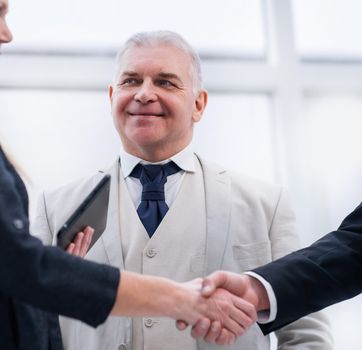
pixel 223 306
pixel 219 308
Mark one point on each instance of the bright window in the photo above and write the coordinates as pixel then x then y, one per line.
pixel 58 135
pixel 233 27
pixel 333 139
pixel 328 29
pixel 237 132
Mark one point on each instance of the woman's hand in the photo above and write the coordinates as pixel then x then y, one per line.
pixel 81 243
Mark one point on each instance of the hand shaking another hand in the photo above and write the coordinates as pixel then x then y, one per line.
pixel 229 304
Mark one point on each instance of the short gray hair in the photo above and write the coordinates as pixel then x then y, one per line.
pixel 166 37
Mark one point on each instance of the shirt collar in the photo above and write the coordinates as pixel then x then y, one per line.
pixel 184 159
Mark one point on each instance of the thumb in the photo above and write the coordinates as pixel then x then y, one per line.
pixel 209 284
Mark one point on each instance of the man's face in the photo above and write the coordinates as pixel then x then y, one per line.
pixel 153 103
pixel 5 34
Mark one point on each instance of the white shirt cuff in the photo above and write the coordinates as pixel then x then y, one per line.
pixel 266 316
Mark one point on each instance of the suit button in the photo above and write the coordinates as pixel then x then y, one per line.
pixel 122 347
pixel 148 322
pixel 151 253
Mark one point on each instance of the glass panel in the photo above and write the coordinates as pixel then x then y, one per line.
pixel 237 132
pixel 333 186
pixel 333 156
pixel 234 27
pixel 58 135
pixel 328 28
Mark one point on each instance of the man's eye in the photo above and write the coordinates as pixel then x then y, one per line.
pixel 130 81
pixel 165 83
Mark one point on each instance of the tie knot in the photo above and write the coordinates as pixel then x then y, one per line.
pixel 153 178
pixel 154 172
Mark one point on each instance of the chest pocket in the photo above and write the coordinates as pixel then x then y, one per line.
pixel 252 255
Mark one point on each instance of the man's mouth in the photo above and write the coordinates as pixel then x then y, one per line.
pixel 145 114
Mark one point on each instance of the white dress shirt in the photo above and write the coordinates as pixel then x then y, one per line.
pixel 266 316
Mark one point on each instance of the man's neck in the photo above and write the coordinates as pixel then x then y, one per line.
pixel 155 155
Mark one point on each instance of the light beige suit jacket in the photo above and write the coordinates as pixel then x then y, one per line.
pixel 249 223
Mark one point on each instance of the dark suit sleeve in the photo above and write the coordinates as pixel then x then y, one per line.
pixel 315 277
pixel 46 277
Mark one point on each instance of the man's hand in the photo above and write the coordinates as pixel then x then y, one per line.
pixel 242 286
pixel 81 243
pixel 224 316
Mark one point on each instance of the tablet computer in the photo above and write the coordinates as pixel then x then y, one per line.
pixel 91 212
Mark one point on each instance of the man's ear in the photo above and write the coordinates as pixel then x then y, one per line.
pixel 200 105
pixel 110 92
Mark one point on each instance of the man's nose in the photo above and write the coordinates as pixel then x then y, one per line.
pixel 146 93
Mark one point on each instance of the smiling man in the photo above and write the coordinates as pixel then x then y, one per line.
pixel 154 104
pixel 171 213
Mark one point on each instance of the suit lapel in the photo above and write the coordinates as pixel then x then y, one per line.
pixel 218 208
pixel 111 237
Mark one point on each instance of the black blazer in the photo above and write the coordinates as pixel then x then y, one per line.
pixel 37 282
pixel 327 272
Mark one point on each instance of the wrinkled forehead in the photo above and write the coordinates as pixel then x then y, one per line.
pixel 157 60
